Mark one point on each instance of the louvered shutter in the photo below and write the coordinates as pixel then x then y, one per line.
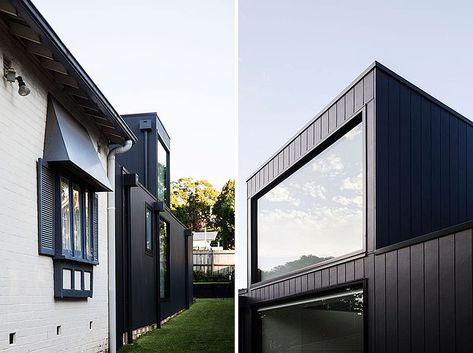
pixel 46 207
pixel 95 226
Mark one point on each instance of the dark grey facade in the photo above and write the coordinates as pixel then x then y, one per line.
pixel 139 303
pixel 415 268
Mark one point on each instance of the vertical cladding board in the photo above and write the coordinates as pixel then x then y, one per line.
pixel 332 118
pixel 417 297
pixel 382 166
pixel 463 291
pixel 447 294
pixel 436 166
pixel 391 302
pixel 405 157
pixel 380 303
pixel 426 191
pixel 431 273
pixel 404 300
pixel 394 163
pixel 416 166
pixel 453 169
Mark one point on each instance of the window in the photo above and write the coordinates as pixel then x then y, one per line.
pixel 149 231
pixel 162 173
pixel 164 258
pixel 314 215
pixel 67 229
pixel 76 221
pixel 326 324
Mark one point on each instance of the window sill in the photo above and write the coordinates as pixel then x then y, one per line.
pixel 74 259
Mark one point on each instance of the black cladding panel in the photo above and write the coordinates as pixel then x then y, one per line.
pixel 424 163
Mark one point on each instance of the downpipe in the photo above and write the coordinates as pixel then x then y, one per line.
pixel 112 295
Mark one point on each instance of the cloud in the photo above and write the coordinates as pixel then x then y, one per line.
pixel 281 194
pixel 353 183
pixel 286 235
pixel 349 201
pixel 315 190
pixel 330 165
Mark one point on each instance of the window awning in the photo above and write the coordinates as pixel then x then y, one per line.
pixel 68 144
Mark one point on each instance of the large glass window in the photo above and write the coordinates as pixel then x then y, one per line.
pixel 162 173
pixel 327 324
pixel 314 215
pixel 149 231
pixel 164 258
pixel 76 220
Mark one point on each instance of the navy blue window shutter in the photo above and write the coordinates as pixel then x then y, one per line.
pixel 95 226
pixel 46 208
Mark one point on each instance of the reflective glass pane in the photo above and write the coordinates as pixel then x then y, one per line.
pixel 316 214
pixel 149 231
pixel 77 280
pixel 66 279
pixel 162 167
pixel 163 258
pixel 65 215
pixel 88 237
pixel 76 206
pixel 330 324
pixel 87 280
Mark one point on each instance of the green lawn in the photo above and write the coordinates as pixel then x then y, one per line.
pixel 207 326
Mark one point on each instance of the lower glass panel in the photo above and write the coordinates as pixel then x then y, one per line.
pixel 326 324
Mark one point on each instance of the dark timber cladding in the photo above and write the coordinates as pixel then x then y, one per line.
pixel 424 169
pixel 419 297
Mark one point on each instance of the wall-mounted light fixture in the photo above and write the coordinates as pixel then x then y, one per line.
pixel 10 75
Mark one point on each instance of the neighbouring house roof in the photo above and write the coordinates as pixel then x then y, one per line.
pixel 35 35
pixel 202 236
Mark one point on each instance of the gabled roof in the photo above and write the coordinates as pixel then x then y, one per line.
pixel 43 46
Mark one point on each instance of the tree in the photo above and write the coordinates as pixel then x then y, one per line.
pixel 224 213
pixel 192 201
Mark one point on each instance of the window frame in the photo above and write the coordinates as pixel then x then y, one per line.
pixel 167 198
pixel 359 118
pixel 73 254
pixel 167 279
pixel 149 251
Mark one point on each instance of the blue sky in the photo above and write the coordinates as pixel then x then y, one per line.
pixel 296 56
pixel 173 57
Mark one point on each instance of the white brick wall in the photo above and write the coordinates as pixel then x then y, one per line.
pixel 27 304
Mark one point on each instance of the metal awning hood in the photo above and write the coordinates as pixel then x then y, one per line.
pixel 67 143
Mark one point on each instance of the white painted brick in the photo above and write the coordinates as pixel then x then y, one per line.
pixel 27 304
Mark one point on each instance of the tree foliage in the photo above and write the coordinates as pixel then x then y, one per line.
pixel 192 201
pixel 201 207
pixel 224 213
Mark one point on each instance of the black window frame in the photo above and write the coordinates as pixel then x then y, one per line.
pixel 359 118
pixel 167 279
pixel 149 251
pixel 167 196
